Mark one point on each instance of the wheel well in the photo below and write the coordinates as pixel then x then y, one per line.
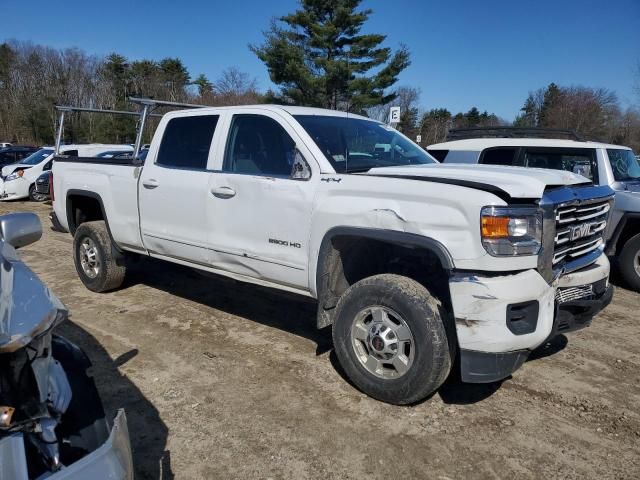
pixel 347 259
pixel 631 228
pixel 83 208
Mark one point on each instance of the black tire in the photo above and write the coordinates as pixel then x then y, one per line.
pixel 84 426
pixel 421 313
pixel 629 255
pixel 35 196
pixel 109 275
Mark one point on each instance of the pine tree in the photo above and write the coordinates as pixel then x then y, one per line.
pixel 319 58
pixel 409 123
pixel 551 99
pixel 205 87
pixel 529 115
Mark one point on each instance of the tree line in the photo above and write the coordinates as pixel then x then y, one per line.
pixel 316 56
pixel 34 78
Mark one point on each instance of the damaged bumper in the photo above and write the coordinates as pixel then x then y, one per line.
pixel 501 319
pixel 14 190
pixel 112 460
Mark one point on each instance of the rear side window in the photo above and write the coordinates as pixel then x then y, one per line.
pixel 439 155
pixel 186 142
pixel 258 145
pixel 577 161
pixel 499 156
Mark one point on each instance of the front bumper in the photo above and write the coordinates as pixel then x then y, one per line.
pixel 42 188
pixel 14 190
pixel 112 460
pixel 500 319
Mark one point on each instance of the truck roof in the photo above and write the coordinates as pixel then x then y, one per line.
pixel 478 144
pixel 292 110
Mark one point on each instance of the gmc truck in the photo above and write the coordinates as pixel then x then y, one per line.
pixel 420 268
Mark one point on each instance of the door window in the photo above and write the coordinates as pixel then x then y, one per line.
pixel 186 142
pixel 499 156
pixel 258 145
pixel 578 161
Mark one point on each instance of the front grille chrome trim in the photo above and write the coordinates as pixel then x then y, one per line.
pixel 568 245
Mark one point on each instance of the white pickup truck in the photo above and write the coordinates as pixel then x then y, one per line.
pixel 418 266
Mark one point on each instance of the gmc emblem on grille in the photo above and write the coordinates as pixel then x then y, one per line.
pixel 582 230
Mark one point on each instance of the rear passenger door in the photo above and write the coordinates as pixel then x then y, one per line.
pixel 173 189
pixel 259 215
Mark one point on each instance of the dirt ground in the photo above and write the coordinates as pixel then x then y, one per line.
pixel 231 381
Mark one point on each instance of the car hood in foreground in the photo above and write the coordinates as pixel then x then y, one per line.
pixel 27 307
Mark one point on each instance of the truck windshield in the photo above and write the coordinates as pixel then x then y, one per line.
pixel 624 164
pixel 36 157
pixel 357 145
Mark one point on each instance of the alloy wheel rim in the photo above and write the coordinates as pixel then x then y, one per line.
pixel 89 258
pixel 636 263
pixel 383 342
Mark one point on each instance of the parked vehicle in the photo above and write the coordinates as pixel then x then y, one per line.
pixel 19 180
pixel 52 422
pixel 414 263
pixel 42 184
pixel 4 144
pixel 43 181
pixel 13 154
pixel 604 164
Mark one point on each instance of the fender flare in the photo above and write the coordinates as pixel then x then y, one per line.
pixel 406 239
pixel 117 252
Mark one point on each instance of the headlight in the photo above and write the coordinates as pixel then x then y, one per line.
pixel 511 231
pixel 15 175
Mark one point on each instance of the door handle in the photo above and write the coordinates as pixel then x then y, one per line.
pixel 151 183
pixel 223 192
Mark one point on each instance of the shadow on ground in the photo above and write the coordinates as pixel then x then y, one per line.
pixel 274 308
pixel 147 431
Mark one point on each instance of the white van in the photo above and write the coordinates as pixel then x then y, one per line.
pixel 18 180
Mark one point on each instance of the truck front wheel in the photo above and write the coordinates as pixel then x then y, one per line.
pixel 629 262
pixel 92 255
pixel 390 339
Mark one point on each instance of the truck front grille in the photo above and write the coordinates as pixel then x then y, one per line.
pixel 579 230
pixel 574 293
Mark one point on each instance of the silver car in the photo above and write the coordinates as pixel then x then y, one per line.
pixel 52 422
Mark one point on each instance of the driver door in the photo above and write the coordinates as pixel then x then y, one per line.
pixel 259 215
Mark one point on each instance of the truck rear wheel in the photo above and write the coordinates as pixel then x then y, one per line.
pixel 629 262
pixel 92 255
pixel 391 340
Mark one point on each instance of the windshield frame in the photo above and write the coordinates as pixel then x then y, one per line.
pixel 34 154
pixel 397 143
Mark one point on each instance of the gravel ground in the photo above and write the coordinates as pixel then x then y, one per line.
pixel 231 381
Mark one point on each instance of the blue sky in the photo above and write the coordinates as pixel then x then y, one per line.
pixel 488 54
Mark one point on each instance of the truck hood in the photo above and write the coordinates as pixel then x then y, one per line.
pixel 516 182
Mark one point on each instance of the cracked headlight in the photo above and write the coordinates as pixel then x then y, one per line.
pixel 14 175
pixel 511 231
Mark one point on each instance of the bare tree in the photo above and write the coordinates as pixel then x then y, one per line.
pixel 235 87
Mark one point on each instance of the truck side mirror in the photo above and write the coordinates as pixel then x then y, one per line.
pixel 20 229
pixel 300 169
